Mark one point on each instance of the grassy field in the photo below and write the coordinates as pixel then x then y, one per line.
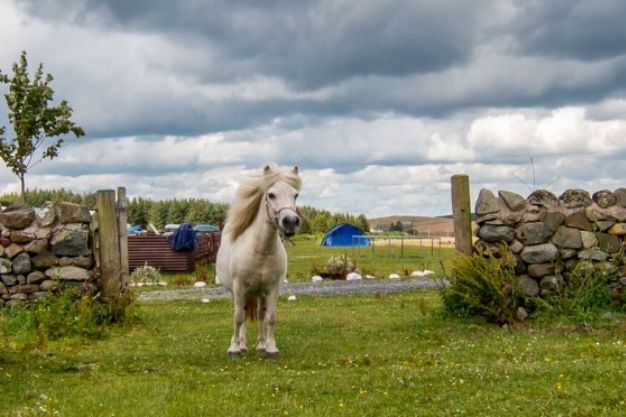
pixel 391 355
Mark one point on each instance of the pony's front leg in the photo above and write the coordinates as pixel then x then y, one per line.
pixel 243 346
pixel 270 345
pixel 238 317
pixel 260 347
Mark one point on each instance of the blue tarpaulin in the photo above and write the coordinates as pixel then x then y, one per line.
pixel 341 235
pixel 183 239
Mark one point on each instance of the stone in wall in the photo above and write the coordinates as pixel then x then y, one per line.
pixel 514 201
pixel 604 198
pixel 72 213
pixel 533 233
pixel 486 203
pixel 578 220
pixel 536 254
pixel 70 243
pixel 568 238
pixel 493 233
pixel 17 217
pixel 542 198
pixel 575 199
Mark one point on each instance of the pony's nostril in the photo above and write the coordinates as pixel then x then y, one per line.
pixel 297 222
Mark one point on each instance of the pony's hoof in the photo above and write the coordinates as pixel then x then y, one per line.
pixel 261 350
pixel 243 351
pixel 271 355
pixel 234 354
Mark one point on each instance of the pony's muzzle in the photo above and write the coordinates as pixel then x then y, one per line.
pixel 288 222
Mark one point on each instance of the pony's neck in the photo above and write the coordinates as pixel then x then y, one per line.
pixel 266 236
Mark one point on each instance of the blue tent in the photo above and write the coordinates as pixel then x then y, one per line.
pixel 341 235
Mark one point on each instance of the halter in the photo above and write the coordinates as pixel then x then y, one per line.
pixel 268 204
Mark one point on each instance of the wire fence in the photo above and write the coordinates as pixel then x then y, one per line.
pixel 394 246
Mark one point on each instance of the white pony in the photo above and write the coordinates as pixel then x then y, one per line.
pixel 252 261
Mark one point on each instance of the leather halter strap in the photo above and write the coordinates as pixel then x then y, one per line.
pixel 268 204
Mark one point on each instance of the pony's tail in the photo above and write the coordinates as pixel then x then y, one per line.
pixel 252 308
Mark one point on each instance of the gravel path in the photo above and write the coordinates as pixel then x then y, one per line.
pixel 330 288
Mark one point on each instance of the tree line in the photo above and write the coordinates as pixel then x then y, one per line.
pixel 143 211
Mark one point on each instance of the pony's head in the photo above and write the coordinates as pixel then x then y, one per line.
pixel 277 190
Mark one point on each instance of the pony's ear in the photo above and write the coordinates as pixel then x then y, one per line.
pixel 268 169
pixel 295 170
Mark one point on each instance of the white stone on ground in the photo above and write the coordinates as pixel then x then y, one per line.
pixel 370 277
pixel 353 276
pixel 291 298
pixel 423 273
pixel 205 300
pixel 394 276
pixel 317 278
pixel 199 284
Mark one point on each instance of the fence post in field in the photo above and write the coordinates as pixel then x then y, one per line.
pixel 109 244
pixel 462 214
pixel 122 210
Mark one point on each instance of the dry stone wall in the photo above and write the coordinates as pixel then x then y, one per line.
pixel 550 235
pixel 41 250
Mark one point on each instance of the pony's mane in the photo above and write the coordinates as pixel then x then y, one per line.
pixel 249 196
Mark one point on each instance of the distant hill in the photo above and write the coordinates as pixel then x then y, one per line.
pixel 423 224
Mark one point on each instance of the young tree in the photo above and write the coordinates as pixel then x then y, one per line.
pixel 34 120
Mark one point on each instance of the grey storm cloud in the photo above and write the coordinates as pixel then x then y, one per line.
pixel 572 28
pixel 308 44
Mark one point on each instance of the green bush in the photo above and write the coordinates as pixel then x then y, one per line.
pixel 76 312
pixel 483 286
pixel 583 295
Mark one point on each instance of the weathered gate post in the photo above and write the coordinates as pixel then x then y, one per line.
pixel 122 213
pixel 109 246
pixel 462 214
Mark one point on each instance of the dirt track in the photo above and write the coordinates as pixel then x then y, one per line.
pixel 327 288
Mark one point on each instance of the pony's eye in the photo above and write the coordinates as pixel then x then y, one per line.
pixel 271 196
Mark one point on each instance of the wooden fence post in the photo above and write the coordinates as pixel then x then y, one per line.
pixel 462 214
pixel 109 243
pixel 122 213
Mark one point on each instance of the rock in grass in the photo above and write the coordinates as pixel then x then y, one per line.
pixel 353 276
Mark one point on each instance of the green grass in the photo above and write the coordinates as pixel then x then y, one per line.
pixel 391 355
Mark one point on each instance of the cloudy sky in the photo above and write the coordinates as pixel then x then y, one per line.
pixel 379 102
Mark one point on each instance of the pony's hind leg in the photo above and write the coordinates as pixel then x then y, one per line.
pixel 239 317
pixel 260 347
pixel 270 344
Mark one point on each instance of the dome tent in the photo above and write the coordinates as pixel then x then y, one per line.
pixel 342 235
